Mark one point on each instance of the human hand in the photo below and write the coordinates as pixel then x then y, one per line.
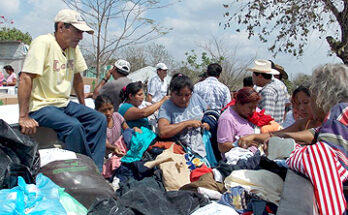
pixel 28 125
pixel 247 141
pixel 108 74
pixel 118 152
pixel 165 98
pixel 205 126
pixel 194 123
pixel 136 129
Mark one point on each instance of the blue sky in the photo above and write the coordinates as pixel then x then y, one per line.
pixel 194 22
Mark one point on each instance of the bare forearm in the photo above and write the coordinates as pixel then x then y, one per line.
pixel 24 91
pixel 171 130
pixel 304 136
pixel 78 87
pixel 225 147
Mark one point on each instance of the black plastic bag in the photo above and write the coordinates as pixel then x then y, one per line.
pixel 80 178
pixel 19 156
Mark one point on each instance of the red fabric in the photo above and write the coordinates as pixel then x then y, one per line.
pixel 198 172
pixel 166 145
pixel 233 102
pixel 260 118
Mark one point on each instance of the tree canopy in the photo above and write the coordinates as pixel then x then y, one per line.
pixel 15 34
pixel 118 24
pixel 292 22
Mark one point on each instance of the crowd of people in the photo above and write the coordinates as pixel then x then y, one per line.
pixel 248 118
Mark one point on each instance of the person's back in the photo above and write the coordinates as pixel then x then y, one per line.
pixel 214 93
pixel 113 89
pixel 273 100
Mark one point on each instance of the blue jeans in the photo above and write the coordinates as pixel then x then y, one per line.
pixel 82 129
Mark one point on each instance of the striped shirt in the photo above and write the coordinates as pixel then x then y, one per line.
pixel 273 100
pixel 325 161
pixel 213 92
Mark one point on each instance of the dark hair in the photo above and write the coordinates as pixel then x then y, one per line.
pixel 214 69
pixel 265 75
pixel 247 95
pixel 301 89
pixel 67 25
pixel 248 81
pixel 8 67
pixel 180 81
pixel 100 100
pixel 132 88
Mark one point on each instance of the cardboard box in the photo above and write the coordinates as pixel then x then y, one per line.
pixel 89 84
pixel 6 99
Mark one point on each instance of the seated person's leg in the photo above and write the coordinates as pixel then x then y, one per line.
pixel 69 129
pixel 94 124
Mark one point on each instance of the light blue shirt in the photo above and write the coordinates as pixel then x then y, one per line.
pixel 213 92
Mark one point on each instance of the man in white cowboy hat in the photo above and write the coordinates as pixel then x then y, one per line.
pixel 119 72
pixel 157 87
pixel 273 96
pixel 53 66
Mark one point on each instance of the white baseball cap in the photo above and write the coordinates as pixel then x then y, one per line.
pixel 74 18
pixel 123 66
pixel 161 66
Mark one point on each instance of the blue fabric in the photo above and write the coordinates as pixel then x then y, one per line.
pixel 127 136
pixel 235 197
pixel 140 142
pixel 82 129
pixel 143 122
pixel 209 149
pixel 39 199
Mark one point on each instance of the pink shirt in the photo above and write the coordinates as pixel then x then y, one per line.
pixel 112 134
pixel 11 77
pixel 1 78
pixel 230 124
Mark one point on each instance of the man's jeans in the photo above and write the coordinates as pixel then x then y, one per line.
pixel 82 129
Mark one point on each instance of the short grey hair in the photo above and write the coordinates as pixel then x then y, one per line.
pixel 330 85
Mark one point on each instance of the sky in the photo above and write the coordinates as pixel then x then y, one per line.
pixel 193 23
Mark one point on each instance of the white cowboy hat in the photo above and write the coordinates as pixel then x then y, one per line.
pixel 263 66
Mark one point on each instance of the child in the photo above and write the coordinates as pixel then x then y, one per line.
pixel 115 122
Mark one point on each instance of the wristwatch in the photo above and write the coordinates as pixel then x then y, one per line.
pixel 106 80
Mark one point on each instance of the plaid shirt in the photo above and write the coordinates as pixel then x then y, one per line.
pixel 273 99
pixel 213 92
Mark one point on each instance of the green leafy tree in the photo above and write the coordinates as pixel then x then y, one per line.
pixel 291 23
pixel 15 34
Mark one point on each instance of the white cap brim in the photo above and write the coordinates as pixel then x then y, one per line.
pixel 82 26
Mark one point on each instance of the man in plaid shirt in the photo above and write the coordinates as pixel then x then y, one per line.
pixel 273 97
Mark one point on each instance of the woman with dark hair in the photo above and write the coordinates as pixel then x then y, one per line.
pixel 133 96
pixel 180 117
pixel 301 100
pixel 11 80
pixel 233 122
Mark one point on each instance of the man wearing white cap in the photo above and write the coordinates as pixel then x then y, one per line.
pixel 119 72
pixel 273 96
pixel 157 87
pixel 53 66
